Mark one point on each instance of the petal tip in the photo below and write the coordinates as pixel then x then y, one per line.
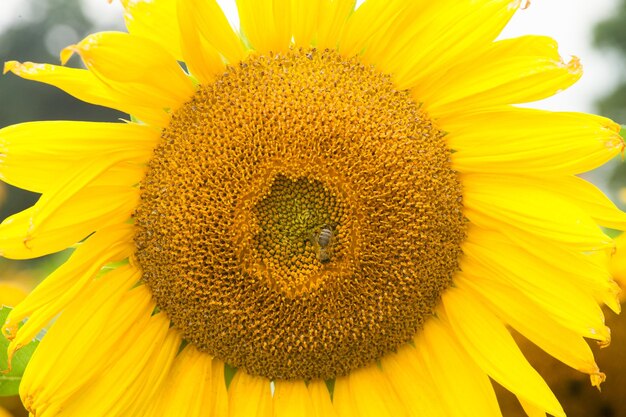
pixel 10 66
pixel 597 379
pixel 67 53
pixel 519 4
pixel 575 66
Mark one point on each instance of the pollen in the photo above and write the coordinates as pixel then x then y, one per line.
pixel 300 217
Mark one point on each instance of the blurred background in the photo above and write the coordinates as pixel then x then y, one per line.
pixel 37 30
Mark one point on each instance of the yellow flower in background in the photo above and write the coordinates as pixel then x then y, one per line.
pixel 340 207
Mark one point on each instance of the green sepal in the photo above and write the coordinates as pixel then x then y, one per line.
pixel 10 381
pixel 229 374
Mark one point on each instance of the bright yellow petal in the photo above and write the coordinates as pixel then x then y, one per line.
pixel 156 373
pixel 320 399
pixel 530 409
pixel 291 398
pixel 525 141
pixel 125 384
pixel 69 212
pixel 259 25
pixel 586 270
pixel 137 68
pixel 34 155
pixel 218 396
pixel 367 27
pixel 188 387
pixel 306 23
pixel 491 346
pixel 85 86
pixel 454 374
pixel 211 24
pixel 67 283
pixel 93 209
pixel 409 378
pixel 617 262
pixel 544 287
pixel 249 396
pixel 492 202
pixel 518 311
pixel 156 20
pixel 202 59
pixel 366 393
pixel 333 17
pixel 304 20
pixel 427 38
pixel 88 336
pixel 589 198
pixel 502 78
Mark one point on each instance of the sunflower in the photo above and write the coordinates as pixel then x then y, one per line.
pixel 336 212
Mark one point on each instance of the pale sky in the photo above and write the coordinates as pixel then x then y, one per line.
pixel 570 22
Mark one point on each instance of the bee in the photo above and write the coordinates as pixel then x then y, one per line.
pixel 323 240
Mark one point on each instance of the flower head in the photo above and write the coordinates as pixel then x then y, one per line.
pixel 335 212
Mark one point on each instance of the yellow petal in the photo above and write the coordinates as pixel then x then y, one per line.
pixel 85 86
pixel 66 283
pixel 454 374
pixel 213 27
pixel 333 17
pixel 507 77
pixel 68 212
pixel 492 202
pixel 202 59
pixel 372 21
pixel 156 20
pixel 366 393
pixel 35 154
pixel 320 399
pixel 530 409
pixel 85 339
pixel 137 68
pixel 186 391
pixel 291 398
pixel 518 311
pixel 617 261
pixel 309 23
pixel 218 396
pixel 588 197
pixel 304 21
pixel 92 209
pixel 407 374
pixel 156 372
pixel 526 141
pixel 429 38
pixel 259 25
pixel 249 396
pixel 491 346
pixel 125 383
pixel 586 270
pixel 545 287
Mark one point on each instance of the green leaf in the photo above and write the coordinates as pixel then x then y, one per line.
pixel 10 381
